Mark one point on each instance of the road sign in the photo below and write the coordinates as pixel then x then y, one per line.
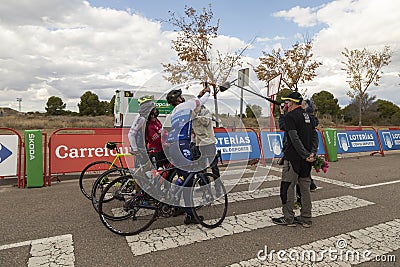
pixel 8 155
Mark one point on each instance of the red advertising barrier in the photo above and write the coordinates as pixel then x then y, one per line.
pixel 71 149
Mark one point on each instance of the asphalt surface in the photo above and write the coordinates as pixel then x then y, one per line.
pixel 358 201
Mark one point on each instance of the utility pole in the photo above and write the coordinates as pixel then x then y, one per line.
pixel 243 80
pixel 19 99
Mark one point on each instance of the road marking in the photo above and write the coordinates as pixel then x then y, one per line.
pixel 232 198
pixel 378 184
pixel 236 171
pixel 340 183
pixel 248 180
pixel 51 251
pixel 379 240
pixel 176 236
pixel 335 182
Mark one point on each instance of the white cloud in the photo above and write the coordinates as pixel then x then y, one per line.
pixel 304 17
pixel 356 25
pixel 263 39
pixel 64 48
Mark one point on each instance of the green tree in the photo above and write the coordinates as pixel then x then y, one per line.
pixel 111 105
pixel 253 111
pixel 368 107
pixel 295 65
pixel 326 103
pixel 350 113
pixel 55 106
pixel 364 68
pixel 395 120
pixel 90 105
pixel 366 102
pixel 105 108
pixel 197 59
pixel 386 109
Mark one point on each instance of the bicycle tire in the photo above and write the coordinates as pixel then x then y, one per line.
pixel 102 181
pixel 210 201
pixel 93 169
pixel 125 214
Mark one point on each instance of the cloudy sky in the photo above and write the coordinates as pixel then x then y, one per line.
pixel 64 48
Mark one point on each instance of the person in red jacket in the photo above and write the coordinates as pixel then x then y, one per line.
pixel 154 133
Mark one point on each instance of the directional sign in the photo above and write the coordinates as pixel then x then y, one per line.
pixel 8 155
pixel 4 153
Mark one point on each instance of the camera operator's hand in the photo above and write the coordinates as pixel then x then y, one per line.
pixel 205 89
pixel 282 109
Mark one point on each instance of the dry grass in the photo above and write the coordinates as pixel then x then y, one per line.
pixel 51 123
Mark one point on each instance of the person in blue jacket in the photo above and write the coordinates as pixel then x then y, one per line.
pixel 179 138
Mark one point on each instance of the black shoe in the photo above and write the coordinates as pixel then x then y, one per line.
pixel 177 212
pixel 190 219
pixel 298 221
pixel 313 188
pixel 282 221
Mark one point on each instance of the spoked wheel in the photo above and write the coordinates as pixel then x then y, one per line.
pixel 209 199
pixel 90 173
pixel 102 181
pixel 123 209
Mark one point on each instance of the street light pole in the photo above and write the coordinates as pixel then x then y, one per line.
pixel 19 99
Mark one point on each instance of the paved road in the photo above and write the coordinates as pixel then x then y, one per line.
pixel 356 212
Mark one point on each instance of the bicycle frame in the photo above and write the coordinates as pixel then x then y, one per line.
pixel 177 194
pixel 118 158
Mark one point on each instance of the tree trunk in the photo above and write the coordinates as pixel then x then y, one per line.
pixel 359 111
pixel 216 108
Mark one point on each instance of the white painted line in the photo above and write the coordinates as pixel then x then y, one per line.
pixel 368 243
pixel 52 251
pixel 176 236
pixel 379 184
pixel 236 171
pixel 340 183
pixel 249 180
pixel 335 182
pixel 322 179
pixel 247 195
pixel 16 245
pixel 232 198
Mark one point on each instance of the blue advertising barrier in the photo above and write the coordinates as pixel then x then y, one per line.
pixel 272 143
pixel 390 139
pixel 357 141
pixel 238 145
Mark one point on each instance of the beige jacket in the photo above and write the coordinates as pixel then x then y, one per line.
pixel 202 127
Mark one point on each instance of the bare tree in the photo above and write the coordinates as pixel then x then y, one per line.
pixel 364 68
pixel 196 57
pixel 296 65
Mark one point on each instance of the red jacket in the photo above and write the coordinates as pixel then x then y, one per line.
pixel 154 132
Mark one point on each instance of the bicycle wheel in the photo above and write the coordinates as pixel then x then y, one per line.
pixel 209 199
pixel 89 173
pixel 123 209
pixel 102 181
